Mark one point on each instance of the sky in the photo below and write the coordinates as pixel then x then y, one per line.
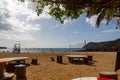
pixel 19 24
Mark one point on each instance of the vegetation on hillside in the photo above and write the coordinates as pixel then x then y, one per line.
pixel 103 46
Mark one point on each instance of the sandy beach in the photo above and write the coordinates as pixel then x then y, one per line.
pixel 51 70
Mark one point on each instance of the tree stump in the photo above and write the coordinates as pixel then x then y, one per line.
pixel 59 59
pixel 20 72
pixel 34 61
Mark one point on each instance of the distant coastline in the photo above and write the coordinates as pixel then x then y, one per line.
pixel 37 50
pixel 3 47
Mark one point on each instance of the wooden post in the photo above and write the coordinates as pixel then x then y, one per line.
pixel 117 65
pixel 20 72
pixel 59 59
pixel 34 61
pixel 2 65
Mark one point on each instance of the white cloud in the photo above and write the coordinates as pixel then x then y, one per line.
pixel 17 19
pixel 66 21
pixel 92 20
pixel 15 36
pixel 20 26
pixel 35 17
pixel 26 9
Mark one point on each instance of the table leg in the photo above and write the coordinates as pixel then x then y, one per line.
pixel 2 65
pixel 70 59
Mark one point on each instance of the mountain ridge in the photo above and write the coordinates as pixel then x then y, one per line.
pixel 113 45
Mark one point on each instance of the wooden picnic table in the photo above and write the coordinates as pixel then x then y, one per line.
pixel 73 58
pixel 17 59
pixel 76 56
pixel 4 60
pixel 2 65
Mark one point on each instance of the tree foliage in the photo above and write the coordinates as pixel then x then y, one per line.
pixel 72 9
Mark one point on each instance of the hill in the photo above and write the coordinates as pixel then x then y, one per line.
pixel 3 47
pixel 104 46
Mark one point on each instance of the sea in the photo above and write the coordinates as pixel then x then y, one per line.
pixel 37 50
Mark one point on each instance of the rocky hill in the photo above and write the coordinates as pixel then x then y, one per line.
pixel 104 46
pixel 3 47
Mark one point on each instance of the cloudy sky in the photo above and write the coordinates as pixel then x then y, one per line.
pixel 19 23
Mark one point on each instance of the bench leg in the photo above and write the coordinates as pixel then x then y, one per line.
pixel 85 60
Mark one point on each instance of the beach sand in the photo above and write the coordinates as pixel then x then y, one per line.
pixel 51 70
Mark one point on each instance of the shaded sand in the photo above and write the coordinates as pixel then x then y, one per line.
pixel 51 70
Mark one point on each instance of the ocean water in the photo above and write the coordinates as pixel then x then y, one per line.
pixel 36 50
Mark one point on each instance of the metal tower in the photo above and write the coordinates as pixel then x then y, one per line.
pixel 17 48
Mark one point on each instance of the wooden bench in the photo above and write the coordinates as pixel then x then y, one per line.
pixel 7 76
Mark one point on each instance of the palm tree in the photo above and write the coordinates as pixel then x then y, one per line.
pixel 105 13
